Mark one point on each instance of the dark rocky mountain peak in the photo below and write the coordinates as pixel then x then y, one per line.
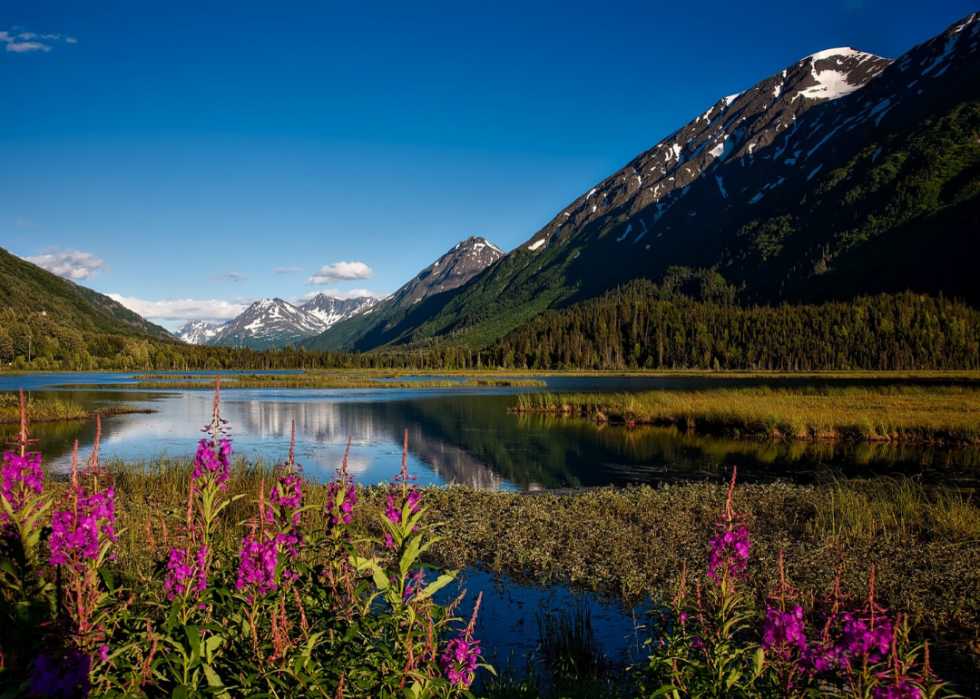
pixel 463 262
pixel 332 310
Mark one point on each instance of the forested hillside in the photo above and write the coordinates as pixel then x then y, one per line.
pixel 644 326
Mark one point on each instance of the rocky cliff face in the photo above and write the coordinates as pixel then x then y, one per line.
pixel 198 332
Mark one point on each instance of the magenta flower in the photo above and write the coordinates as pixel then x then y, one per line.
pixel 211 465
pixel 257 565
pixel 76 532
pixel 345 494
pixel 459 661
pixel 69 677
pixel 865 637
pixel 783 631
pixel 901 688
pixel 186 572
pixel 729 552
pixel 19 477
pixel 287 495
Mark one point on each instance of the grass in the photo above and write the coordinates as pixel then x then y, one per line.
pixel 314 380
pixel 631 543
pixel 52 410
pixel 906 413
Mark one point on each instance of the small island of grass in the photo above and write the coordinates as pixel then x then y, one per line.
pixel 908 414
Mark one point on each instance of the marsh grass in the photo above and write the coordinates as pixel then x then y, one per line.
pixel 53 409
pixel 317 380
pixel 631 543
pixel 908 413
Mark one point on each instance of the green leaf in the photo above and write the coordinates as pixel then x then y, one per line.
pixel 438 584
pixel 194 639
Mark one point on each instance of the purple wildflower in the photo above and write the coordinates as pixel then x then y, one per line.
pixel 783 631
pixel 901 688
pixel 211 464
pixel 68 678
pixel 865 637
pixel 343 493
pixel 729 553
pixel 257 565
pixel 20 477
pixel 186 572
pixel 459 661
pixel 75 531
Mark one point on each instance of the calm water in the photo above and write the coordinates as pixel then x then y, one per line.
pixel 458 435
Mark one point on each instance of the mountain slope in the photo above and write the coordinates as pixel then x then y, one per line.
pixel 25 288
pixel 418 299
pixel 268 323
pixel 198 332
pixel 331 311
pixel 844 174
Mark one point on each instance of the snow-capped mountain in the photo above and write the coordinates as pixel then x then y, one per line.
pixel 198 332
pixel 268 323
pixel 453 270
pixel 844 174
pixel 332 310
pixel 463 262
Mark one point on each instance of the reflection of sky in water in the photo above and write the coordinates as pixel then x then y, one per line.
pixel 462 435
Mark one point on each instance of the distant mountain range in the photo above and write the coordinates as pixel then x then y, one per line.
pixel 843 174
pixel 391 317
pixel 275 323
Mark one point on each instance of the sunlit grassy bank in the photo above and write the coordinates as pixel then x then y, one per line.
pixel 316 380
pixel 941 414
pixel 50 410
pixel 629 543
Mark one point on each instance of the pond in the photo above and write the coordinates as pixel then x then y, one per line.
pixel 463 435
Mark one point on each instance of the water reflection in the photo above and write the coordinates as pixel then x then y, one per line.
pixel 466 436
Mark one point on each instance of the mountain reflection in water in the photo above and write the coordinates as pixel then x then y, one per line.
pixel 466 436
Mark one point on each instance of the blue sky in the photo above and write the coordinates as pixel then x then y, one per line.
pixel 190 157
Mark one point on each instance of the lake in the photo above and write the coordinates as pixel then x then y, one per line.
pixel 461 435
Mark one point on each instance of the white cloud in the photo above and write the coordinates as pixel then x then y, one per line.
pixel 286 270
pixel 25 42
pixel 340 272
pixel 231 277
pixel 26 46
pixel 70 264
pixel 338 294
pixel 181 309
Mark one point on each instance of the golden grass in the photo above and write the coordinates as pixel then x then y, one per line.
pixel 52 410
pixel 937 414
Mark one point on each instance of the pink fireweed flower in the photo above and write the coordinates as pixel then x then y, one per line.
pixel 783 631
pixel 900 688
pixel 20 477
pixel 729 552
pixel 76 530
pixel 186 572
pixel 730 545
pixel 345 494
pixel 459 661
pixel 210 464
pixel 864 637
pixel 257 565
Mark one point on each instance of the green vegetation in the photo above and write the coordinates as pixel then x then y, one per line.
pixel 51 410
pixel 325 381
pixel 643 326
pixel 628 543
pixel 938 414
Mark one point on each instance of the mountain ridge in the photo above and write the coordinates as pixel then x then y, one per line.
pixel 788 189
